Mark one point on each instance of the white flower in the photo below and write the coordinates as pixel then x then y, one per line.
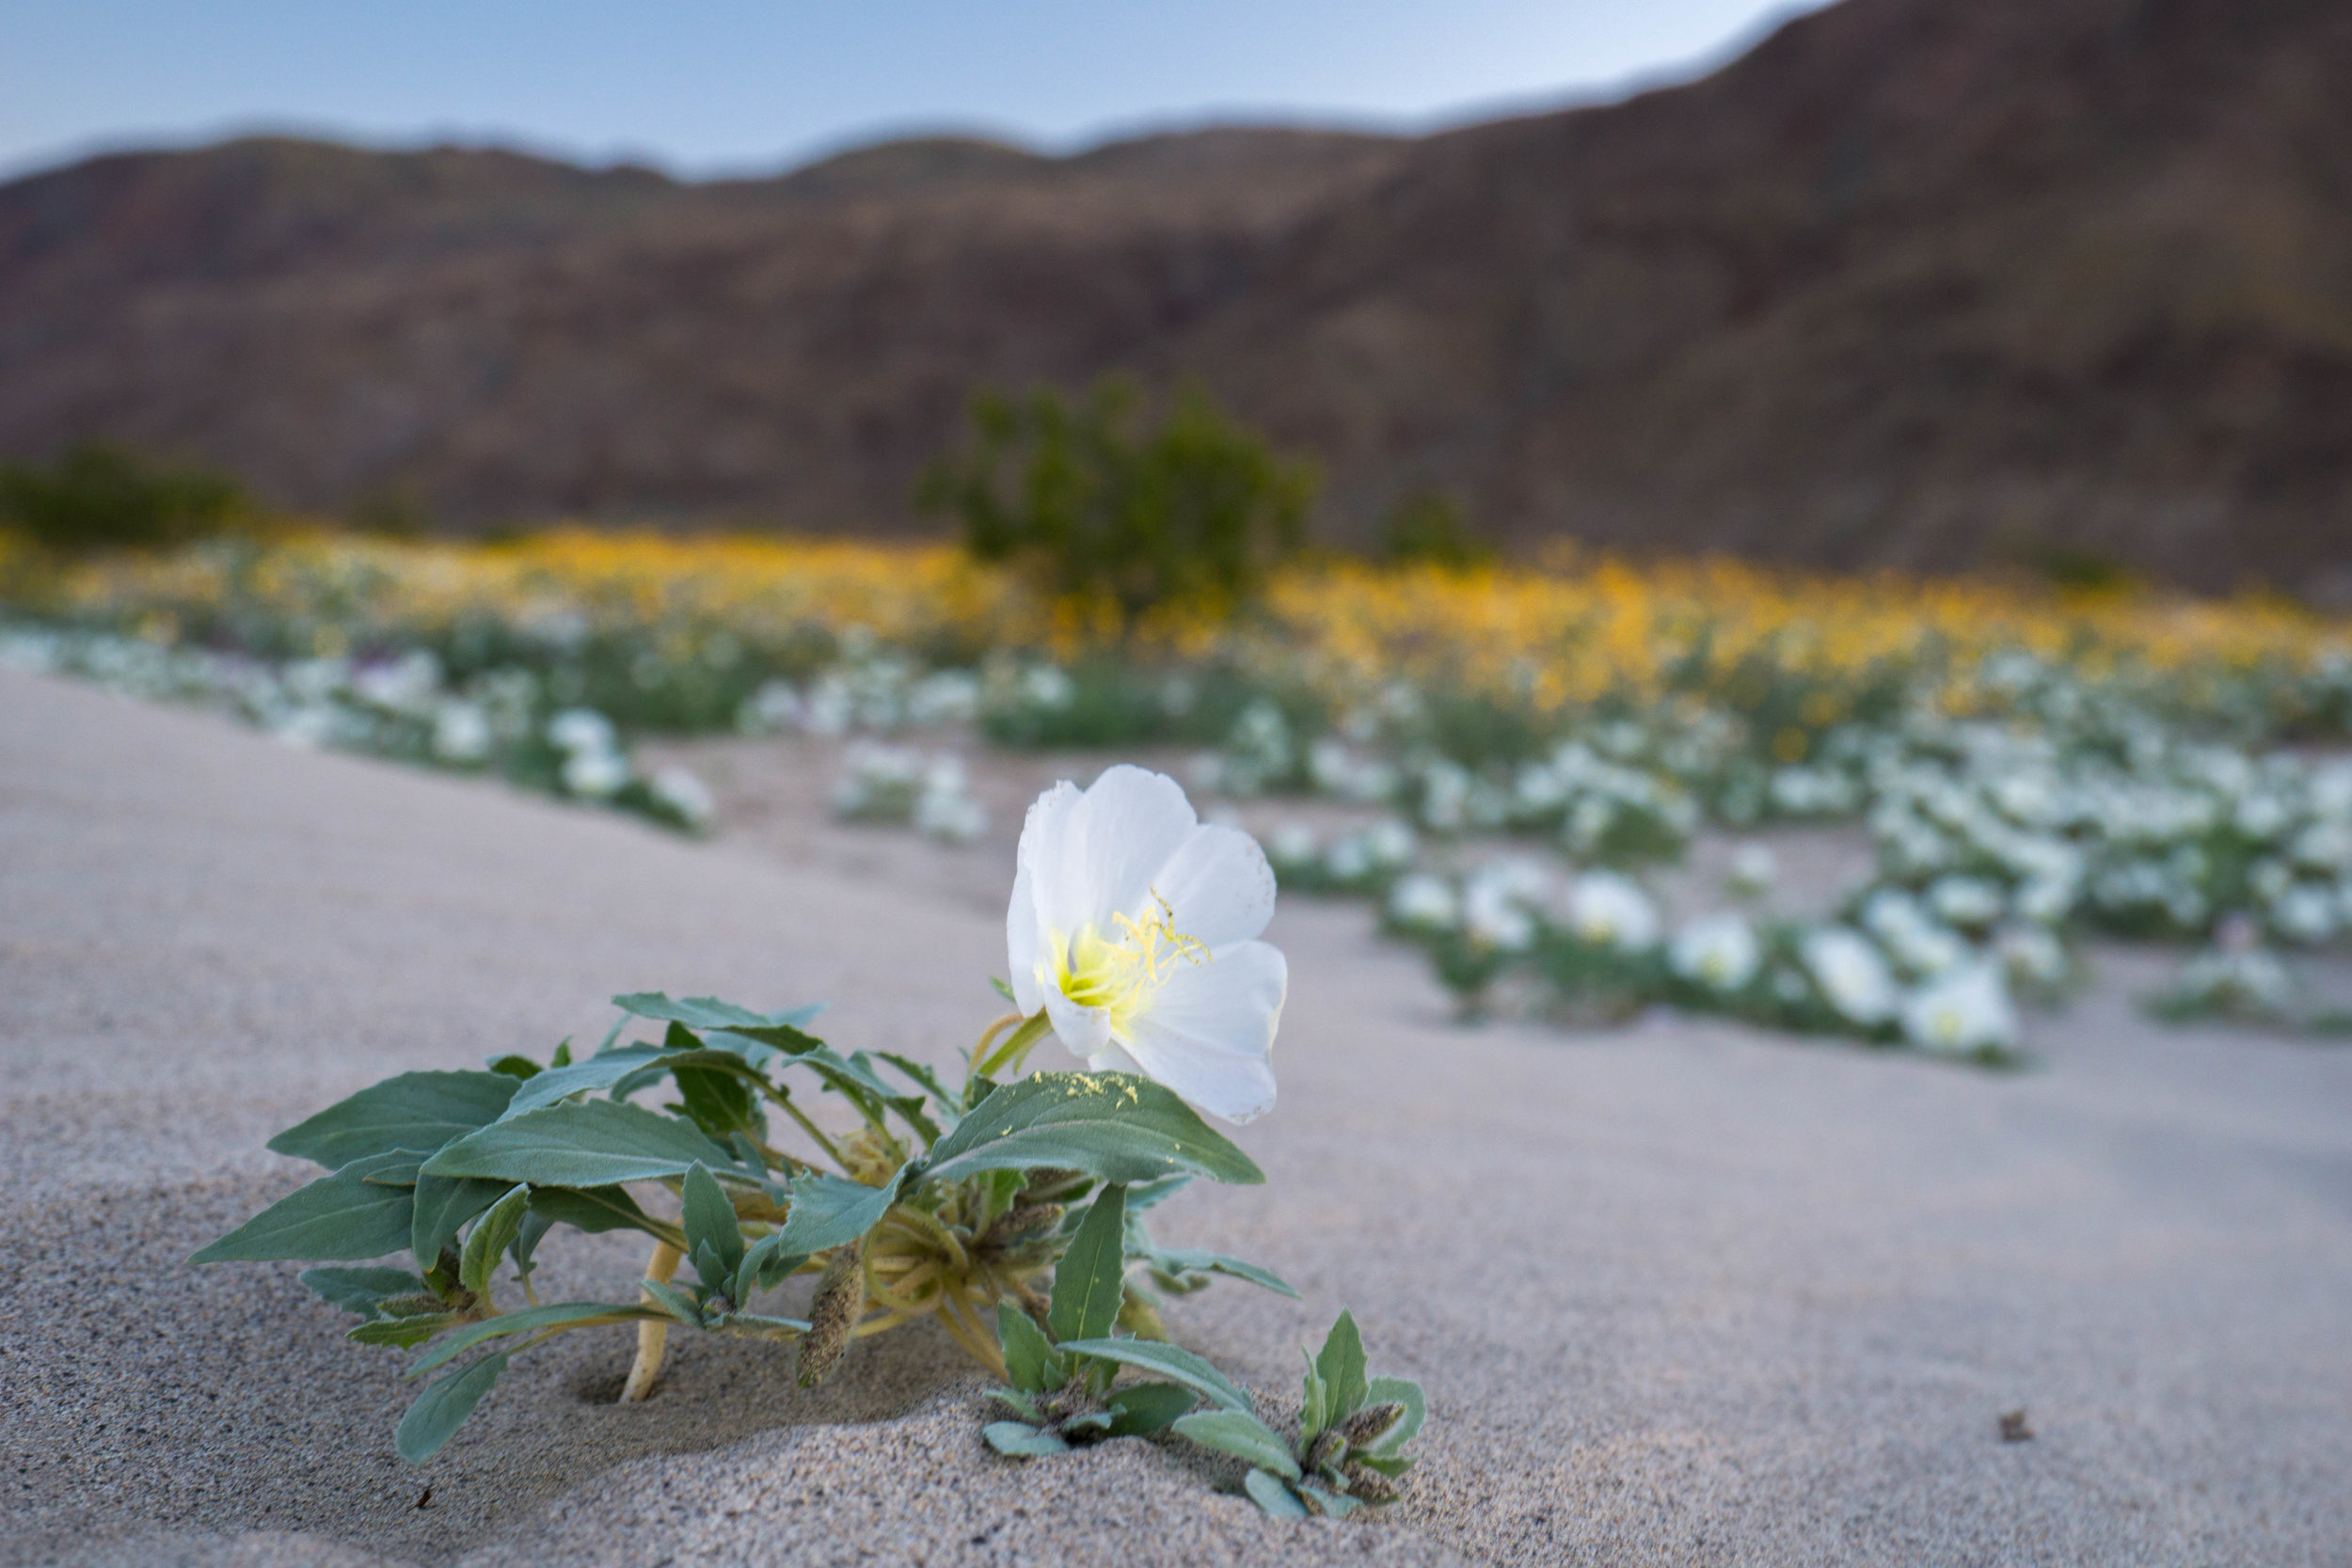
pixel 461 732
pixel 1965 1009
pixel 1424 902
pixel 1753 869
pixel 1609 911
pixel 594 774
pixel 1135 928
pixel 580 729
pixel 1851 974
pixel 1969 902
pixel 1495 914
pixel 684 794
pixel 1718 951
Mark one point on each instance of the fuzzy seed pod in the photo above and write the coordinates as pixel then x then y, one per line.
pixel 1370 1485
pixel 1327 1446
pixel 1368 1425
pixel 1021 1221
pixel 840 1298
pixel 1139 1318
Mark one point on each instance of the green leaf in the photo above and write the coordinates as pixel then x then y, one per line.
pixel 1089 1278
pixel 673 1302
pixel 342 1217
pixel 1241 1434
pixel 850 1075
pixel 444 1204
pixel 1019 1404
pixel 599 1071
pixel 595 1209
pixel 1269 1493
pixel 1405 1391
pixel 415 1329
pixel 1150 1355
pixel 1016 1440
pixel 359 1290
pixel 1029 1359
pixel 416 1110
pixel 491 1237
pixel 1342 1368
pixel 1315 1401
pixel 828 1210
pixel 708 1012
pixel 1117 1126
pixel 719 1103
pixel 442 1409
pixel 1182 1263
pixel 1335 1505
pixel 711 1226
pixel 515 1065
pixel 530 1320
pixel 1150 1195
pixel 1002 988
pixel 591 1144
pixel 950 1105
pixel 1148 1407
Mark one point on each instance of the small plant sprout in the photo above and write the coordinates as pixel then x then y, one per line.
pixel 1348 1451
pixel 1008 1210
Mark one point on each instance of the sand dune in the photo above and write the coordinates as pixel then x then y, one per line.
pixel 1679 1293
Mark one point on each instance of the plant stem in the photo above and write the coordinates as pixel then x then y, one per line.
pixel 1008 1056
pixel 783 1098
pixel 653 1331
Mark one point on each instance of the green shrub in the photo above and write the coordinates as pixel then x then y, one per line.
pixel 1428 526
pixel 1098 500
pixel 99 497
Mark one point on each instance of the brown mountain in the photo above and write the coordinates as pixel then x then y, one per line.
pixel 1914 281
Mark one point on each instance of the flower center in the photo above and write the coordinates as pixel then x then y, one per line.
pixel 1119 971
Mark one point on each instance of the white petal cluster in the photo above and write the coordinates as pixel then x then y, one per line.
pixel 1134 926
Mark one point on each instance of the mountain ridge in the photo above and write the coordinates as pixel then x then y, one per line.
pixel 1906 284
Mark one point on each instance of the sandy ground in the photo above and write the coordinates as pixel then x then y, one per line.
pixel 1679 1293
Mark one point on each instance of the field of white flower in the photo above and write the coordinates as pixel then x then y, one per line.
pixel 1502 760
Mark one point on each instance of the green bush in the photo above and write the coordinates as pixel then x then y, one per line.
pixel 1099 500
pixel 99 497
pixel 1428 526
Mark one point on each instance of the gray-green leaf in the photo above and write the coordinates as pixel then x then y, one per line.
pixel 1405 1391
pixel 442 1409
pixel 1342 1368
pixel 1269 1493
pixel 1168 1361
pixel 342 1217
pixel 1241 1434
pixel 1016 1440
pixel 444 1204
pixel 1117 1126
pixel 1181 1263
pixel 531 1320
pixel 1029 1359
pixel 711 1224
pixel 1148 1407
pixel 416 1110
pixel 589 1143
pixel 490 1237
pixel 359 1290
pixel 1089 1282
pixel 708 1012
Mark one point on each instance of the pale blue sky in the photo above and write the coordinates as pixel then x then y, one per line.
pixel 699 86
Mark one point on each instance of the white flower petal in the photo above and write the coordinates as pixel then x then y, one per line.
pixel 1084 1030
pixel 1219 886
pixel 1208 1032
pixel 1097 860
pixel 1025 945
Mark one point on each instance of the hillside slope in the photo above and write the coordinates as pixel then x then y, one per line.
pixel 1913 282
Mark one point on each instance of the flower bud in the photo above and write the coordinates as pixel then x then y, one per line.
pixel 1021 1221
pixel 1368 1425
pixel 833 1313
pixel 1370 1485
pixel 1327 1446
